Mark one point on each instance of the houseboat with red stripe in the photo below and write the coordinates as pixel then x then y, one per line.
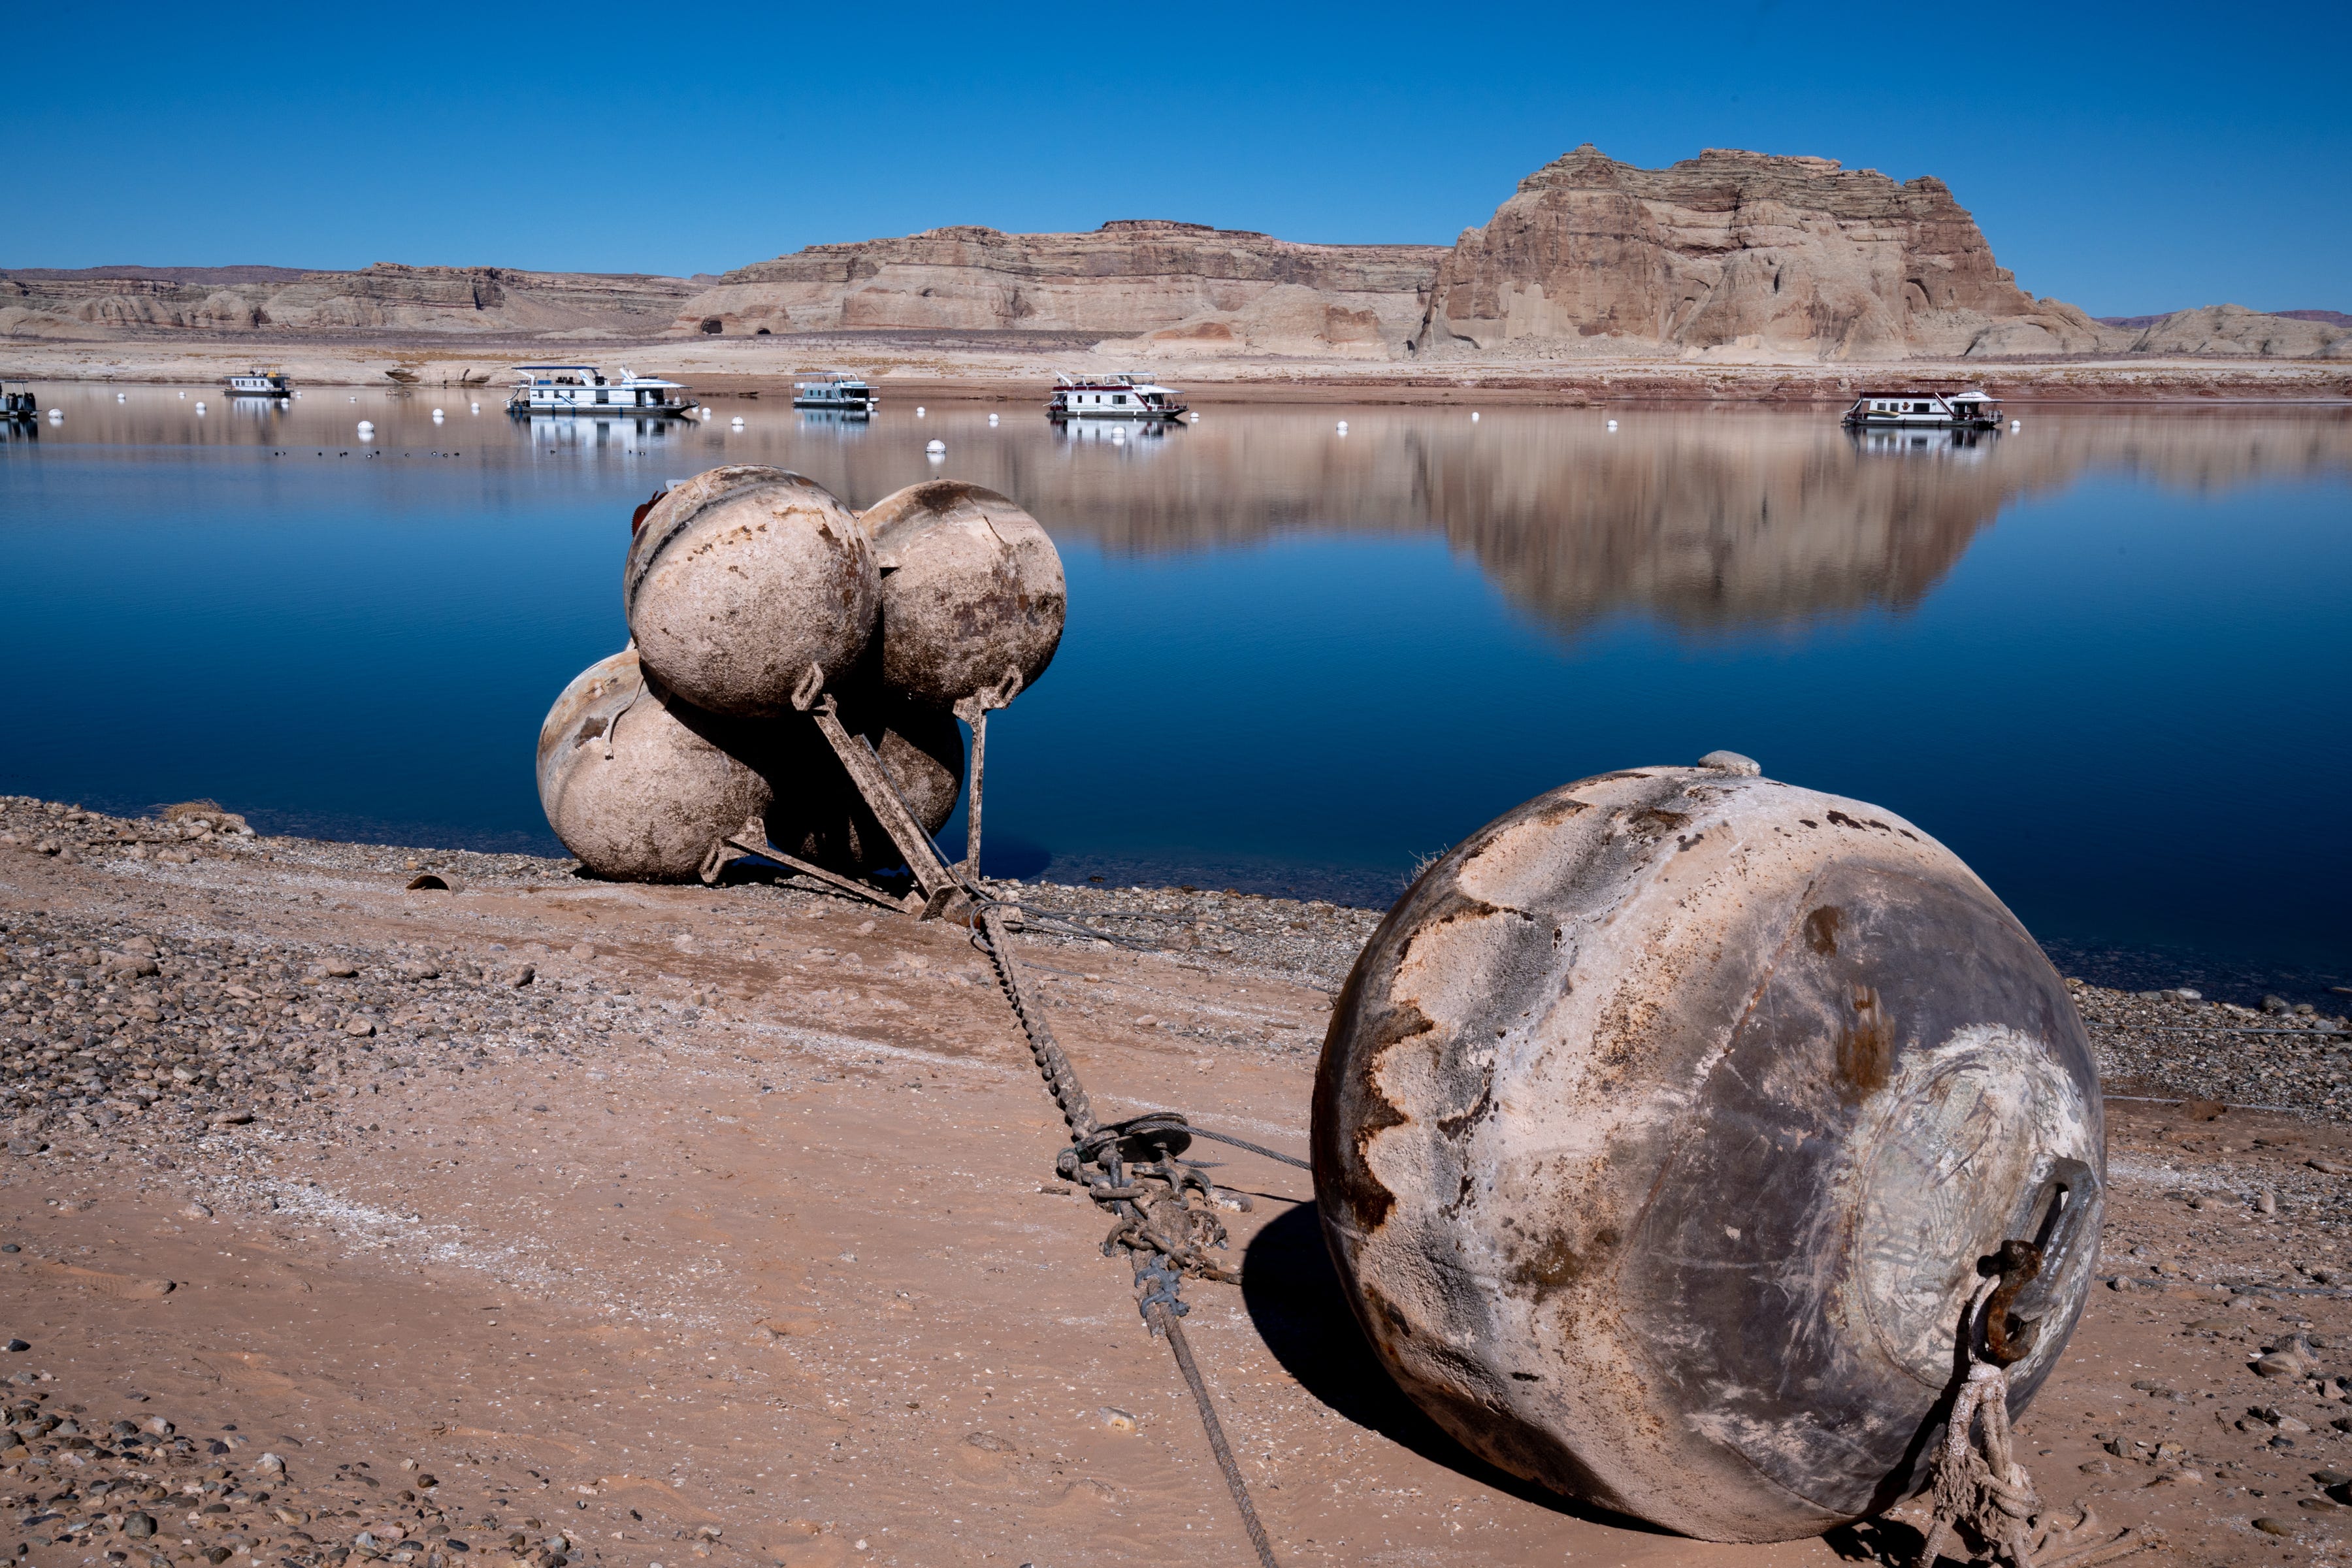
pixel 1118 396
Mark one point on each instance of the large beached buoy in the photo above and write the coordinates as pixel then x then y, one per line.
pixel 972 589
pixel 636 783
pixel 1663 1130
pixel 741 578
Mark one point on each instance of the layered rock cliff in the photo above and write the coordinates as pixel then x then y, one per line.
pixel 1733 251
pixel 385 297
pixel 1126 277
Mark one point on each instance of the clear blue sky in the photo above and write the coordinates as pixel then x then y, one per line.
pixel 2128 159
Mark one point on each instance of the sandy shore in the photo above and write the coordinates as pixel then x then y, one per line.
pixel 915 366
pixel 535 1220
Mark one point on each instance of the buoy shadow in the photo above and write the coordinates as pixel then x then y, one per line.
pixel 1294 1301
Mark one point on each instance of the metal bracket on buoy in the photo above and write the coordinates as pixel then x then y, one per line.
pixel 974 710
pixel 941 889
pixel 752 840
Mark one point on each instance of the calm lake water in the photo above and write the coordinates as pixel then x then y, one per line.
pixel 2104 657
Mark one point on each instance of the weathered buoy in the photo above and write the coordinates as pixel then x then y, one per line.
pixel 122 397
pixel 1612 425
pixel 365 424
pixel 992 419
pixel 741 578
pixel 638 784
pixel 737 422
pixel 1474 416
pixel 437 413
pixel 2015 426
pixel 972 589
pixel 1662 1127
pixel 936 448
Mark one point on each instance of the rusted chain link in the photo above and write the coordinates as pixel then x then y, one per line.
pixel 1061 1078
pixel 1165 1236
pixel 1984 1502
pixel 1132 1170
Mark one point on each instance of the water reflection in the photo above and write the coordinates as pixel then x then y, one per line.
pixel 1709 521
pixel 1404 630
pixel 629 435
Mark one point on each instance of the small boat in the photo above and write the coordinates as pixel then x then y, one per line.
pixel 584 389
pixel 18 402
pixel 261 381
pixel 1969 410
pixel 1118 396
pixel 838 395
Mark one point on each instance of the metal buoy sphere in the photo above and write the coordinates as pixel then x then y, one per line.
pixel 741 578
pixel 972 589
pixel 1662 1129
pixel 637 784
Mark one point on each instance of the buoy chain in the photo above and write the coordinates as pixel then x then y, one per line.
pixel 1984 1502
pixel 1165 1236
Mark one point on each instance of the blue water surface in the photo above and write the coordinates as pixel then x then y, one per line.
pixel 2104 657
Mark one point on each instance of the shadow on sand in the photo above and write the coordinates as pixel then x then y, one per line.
pixel 1294 1301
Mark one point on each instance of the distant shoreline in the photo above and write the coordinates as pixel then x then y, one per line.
pixel 911 365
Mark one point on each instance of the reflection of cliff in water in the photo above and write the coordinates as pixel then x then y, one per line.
pixel 1706 519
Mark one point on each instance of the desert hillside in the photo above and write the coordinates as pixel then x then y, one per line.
pixel 1728 258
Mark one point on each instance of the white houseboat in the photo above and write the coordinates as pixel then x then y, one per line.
pixel 584 389
pixel 1120 397
pixel 1933 410
pixel 260 381
pixel 838 395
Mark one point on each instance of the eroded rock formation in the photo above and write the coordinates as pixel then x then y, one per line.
pixel 2234 331
pixel 385 297
pixel 1733 251
pixel 1124 277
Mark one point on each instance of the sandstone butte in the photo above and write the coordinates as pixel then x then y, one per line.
pixel 1728 258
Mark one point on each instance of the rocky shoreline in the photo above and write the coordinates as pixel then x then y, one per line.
pixel 525 1220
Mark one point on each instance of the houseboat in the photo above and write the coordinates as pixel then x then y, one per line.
pixel 18 402
pixel 836 395
pixel 584 389
pixel 1932 410
pixel 1118 396
pixel 261 382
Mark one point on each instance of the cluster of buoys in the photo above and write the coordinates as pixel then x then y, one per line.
pixel 747 590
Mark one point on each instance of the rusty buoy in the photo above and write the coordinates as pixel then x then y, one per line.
pixel 971 590
pixel 637 783
pixel 741 578
pixel 1663 1130
pixel 817 814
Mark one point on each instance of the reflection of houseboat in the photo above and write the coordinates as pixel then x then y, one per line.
pixel 260 381
pixel 1121 433
pixel 1113 397
pixel 838 395
pixel 18 402
pixel 584 389
pixel 1959 444
pixel 1934 410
